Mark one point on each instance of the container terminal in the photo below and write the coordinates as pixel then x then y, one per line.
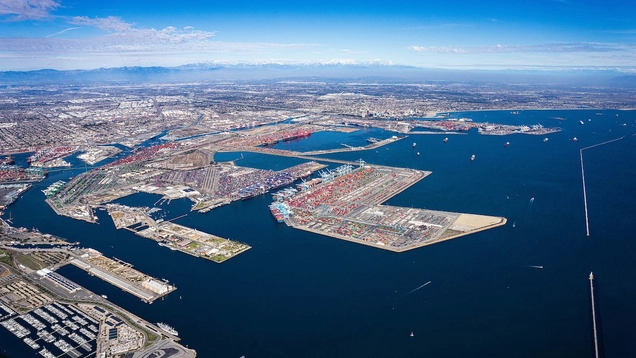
pixel 346 204
pixel 169 170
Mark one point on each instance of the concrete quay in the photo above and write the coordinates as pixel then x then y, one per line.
pixel 121 274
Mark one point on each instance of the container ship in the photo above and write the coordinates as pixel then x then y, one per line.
pixel 296 135
pixel 308 184
pixel 276 213
pixel 280 211
pixel 7 160
pixel 54 188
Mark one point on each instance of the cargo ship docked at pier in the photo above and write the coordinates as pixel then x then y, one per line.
pixel 54 188
pixel 280 211
pixel 168 328
pixel 7 161
pixel 298 134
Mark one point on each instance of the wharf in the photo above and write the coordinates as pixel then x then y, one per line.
pixel 122 275
pixel 286 153
pixel 349 148
pixel 176 237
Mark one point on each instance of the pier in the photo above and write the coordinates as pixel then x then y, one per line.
pixel 594 316
pixel 121 274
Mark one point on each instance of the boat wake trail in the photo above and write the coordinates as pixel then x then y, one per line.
pixel 535 266
pixel 529 210
pixel 417 288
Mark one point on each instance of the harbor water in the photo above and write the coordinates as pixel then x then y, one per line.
pixel 520 290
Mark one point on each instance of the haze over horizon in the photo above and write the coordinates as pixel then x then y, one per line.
pixel 460 34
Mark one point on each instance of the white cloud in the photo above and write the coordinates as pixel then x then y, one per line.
pixel 110 23
pixel 18 10
pixel 584 47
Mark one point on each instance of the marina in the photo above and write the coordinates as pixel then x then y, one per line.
pixel 50 336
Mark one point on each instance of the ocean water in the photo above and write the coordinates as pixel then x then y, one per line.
pixel 298 294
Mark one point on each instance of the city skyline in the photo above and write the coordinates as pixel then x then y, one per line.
pixel 548 34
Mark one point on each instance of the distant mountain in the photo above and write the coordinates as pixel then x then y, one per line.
pixel 624 81
pixel 369 72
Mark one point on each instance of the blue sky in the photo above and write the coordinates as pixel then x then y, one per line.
pixel 488 34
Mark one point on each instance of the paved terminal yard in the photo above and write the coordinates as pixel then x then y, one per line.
pixel 122 275
pixel 347 207
pixel 94 155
